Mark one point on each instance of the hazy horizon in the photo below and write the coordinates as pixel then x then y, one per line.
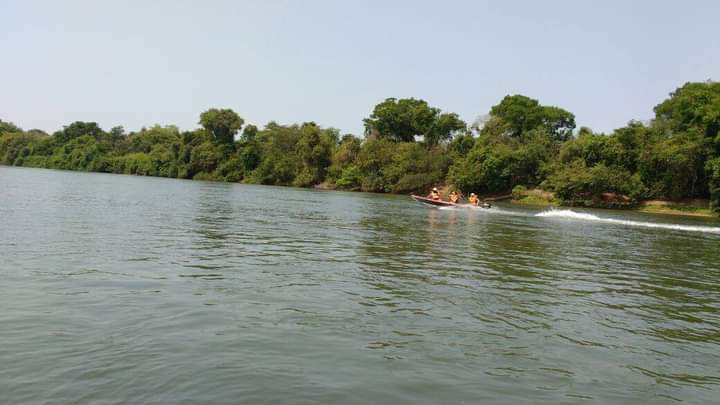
pixel 135 64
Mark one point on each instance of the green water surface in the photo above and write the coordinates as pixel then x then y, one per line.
pixel 121 289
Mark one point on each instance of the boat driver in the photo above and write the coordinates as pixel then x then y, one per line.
pixel 435 194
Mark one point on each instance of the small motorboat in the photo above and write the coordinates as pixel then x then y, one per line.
pixel 430 201
pixel 441 203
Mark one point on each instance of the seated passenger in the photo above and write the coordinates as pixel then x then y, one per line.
pixel 454 197
pixel 473 199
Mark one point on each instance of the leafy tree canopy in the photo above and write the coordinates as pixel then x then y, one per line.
pixel 694 106
pixel 8 127
pixel 222 124
pixel 76 130
pixel 404 119
pixel 519 114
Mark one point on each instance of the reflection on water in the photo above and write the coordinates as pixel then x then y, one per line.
pixel 136 290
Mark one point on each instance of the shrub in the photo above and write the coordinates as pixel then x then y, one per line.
pixel 713 171
pixel 578 184
pixel 413 183
pixel 519 192
pixel 205 176
pixel 350 178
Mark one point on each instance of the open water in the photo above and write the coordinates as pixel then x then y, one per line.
pixel 121 289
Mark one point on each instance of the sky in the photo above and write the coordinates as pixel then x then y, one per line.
pixel 140 63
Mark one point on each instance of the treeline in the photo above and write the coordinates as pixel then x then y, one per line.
pixel 410 146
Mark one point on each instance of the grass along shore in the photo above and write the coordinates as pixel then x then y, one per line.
pixel 694 207
pixel 697 207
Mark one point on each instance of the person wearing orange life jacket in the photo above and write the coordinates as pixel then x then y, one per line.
pixel 434 194
pixel 454 197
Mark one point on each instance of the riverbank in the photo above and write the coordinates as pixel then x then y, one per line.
pixel 533 197
pixel 694 208
pixel 697 207
pixel 525 144
pixel 540 198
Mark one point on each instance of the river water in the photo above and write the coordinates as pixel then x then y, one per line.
pixel 122 289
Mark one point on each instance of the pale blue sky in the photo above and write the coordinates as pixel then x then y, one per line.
pixel 138 63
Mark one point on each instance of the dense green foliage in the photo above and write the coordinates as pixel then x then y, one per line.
pixel 525 143
pixel 411 146
pixel 221 124
pixel 404 119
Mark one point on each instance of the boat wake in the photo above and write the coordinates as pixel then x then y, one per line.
pixel 570 214
pixel 491 210
pixel 497 210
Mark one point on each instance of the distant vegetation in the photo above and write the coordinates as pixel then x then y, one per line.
pixel 410 146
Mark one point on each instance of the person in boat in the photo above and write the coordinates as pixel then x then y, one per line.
pixel 454 197
pixel 473 199
pixel 435 194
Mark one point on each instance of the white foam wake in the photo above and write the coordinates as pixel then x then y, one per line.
pixel 492 210
pixel 570 214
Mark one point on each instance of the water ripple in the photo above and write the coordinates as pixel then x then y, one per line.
pixel 140 290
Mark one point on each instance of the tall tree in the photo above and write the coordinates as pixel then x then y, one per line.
pixel 519 114
pixel 443 128
pixel 8 127
pixel 404 119
pixel 400 120
pixel 76 130
pixel 694 106
pixel 221 124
